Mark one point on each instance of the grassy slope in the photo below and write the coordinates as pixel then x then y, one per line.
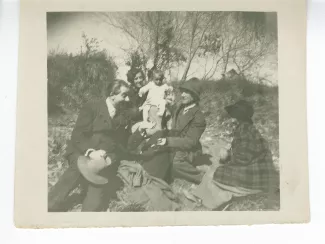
pixel 215 96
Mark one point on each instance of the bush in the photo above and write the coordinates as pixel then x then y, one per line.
pixel 74 79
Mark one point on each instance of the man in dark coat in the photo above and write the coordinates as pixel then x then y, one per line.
pixel 188 124
pixel 98 132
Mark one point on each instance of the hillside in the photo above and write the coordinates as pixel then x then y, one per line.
pixel 216 95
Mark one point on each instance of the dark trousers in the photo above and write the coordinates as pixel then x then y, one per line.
pixel 184 169
pixel 159 166
pixel 96 198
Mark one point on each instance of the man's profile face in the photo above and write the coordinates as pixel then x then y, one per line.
pixel 123 96
pixel 186 97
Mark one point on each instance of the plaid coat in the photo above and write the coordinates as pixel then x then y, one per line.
pixel 250 163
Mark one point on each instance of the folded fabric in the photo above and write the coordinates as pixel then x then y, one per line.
pixel 151 192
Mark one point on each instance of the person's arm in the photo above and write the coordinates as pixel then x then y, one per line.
pixel 173 133
pixel 143 90
pixel 135 139
pixel 80 137
pixel 151 148
pixel 192 137
pixel 168 88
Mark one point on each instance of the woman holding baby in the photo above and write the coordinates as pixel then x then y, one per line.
pixel 136 79
pixel 154 101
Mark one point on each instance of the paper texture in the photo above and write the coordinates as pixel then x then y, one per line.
pixel 31 185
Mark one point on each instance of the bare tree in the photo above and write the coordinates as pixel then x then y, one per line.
pixel 170 39
pixel 199 25
pixel 155 34
pixel 241 44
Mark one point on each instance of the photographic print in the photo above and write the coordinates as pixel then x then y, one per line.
pixel 144 113
pixel 163 111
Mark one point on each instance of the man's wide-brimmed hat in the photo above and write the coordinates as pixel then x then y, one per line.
pixel 240 110
pixel 193 85
pixel 91 169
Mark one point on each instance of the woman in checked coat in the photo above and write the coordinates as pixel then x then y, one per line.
pixel 247 168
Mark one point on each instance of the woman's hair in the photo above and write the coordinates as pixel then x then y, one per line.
pixel 132 73
pixel 114 88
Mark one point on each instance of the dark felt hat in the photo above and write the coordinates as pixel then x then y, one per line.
pixel 91 169
pixel 240 110
pixel 193 85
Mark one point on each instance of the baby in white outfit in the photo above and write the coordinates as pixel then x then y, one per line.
pixel 156 95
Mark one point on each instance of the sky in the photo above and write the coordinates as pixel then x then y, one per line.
pixel 64 31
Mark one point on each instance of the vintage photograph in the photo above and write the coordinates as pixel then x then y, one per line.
pixel 162 111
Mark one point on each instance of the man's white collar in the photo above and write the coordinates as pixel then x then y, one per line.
pixel 110 107
pixel 187 108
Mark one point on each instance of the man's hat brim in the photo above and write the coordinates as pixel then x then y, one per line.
pixel 191 91
pixel 83 165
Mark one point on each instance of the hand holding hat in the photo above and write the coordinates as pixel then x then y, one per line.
pixel 97 154
pixel 90 167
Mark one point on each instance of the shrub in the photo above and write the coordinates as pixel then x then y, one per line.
pixel 74 79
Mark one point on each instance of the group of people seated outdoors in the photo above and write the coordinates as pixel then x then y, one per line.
pixel 138 136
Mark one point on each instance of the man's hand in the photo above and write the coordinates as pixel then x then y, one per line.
pixel 162 141
pixel 96 155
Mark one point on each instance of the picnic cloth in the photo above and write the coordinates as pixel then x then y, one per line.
pixel 151 192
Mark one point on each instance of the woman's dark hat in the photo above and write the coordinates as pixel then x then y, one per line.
pixel 240 110
pixel 193 86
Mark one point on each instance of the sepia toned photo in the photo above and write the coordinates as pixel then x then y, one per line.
pixel 163 111
pixel 153 116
